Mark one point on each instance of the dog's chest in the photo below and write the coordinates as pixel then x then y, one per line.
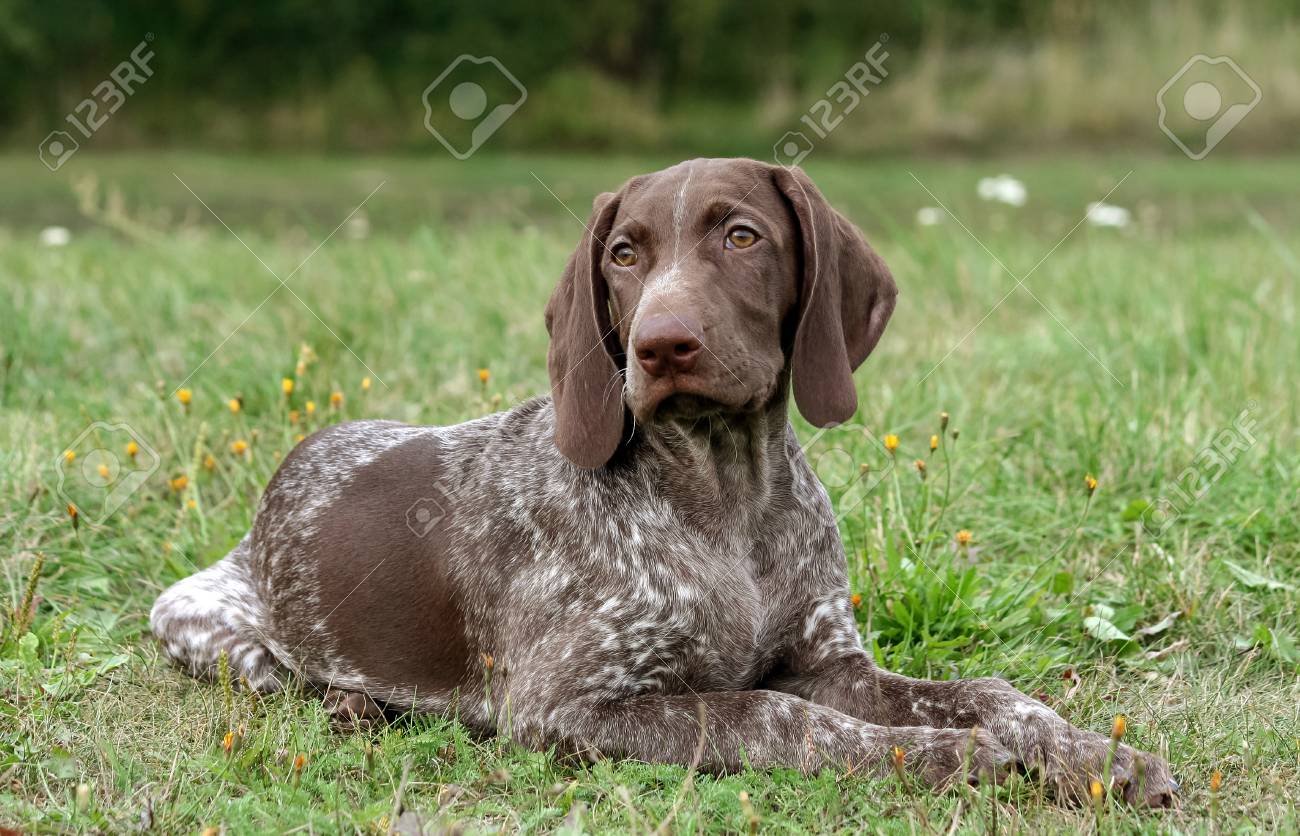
pixel 691 612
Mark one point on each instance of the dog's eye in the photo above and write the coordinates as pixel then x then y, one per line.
pixel 624 255
pixel 740 238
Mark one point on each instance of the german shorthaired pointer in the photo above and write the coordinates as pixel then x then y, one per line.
pixel 587 570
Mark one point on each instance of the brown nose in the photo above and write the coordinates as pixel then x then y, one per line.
pixel 666 344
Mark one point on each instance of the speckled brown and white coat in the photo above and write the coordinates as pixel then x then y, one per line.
pixel 588 569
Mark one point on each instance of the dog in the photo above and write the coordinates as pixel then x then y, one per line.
pixel 643 563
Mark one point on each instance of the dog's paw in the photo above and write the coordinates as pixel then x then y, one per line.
pixel 1071 761
pixel 350 710
pixel 943 757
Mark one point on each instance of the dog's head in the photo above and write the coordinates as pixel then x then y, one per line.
pixel 696 287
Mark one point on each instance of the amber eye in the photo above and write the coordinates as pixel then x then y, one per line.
pixel 624 255
pixel 740 238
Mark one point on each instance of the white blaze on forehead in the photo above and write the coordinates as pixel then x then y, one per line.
pixel 665 281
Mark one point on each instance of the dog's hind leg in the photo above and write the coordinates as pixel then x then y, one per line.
pixel 214 610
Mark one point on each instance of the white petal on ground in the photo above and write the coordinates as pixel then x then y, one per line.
pixel 929 215
pixel 1004 188
pixel 1104 214
pixel 55 236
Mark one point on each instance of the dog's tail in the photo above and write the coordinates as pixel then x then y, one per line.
pixel 214 610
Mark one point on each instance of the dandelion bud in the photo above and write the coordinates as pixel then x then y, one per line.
pixel 311 407
pixel 963 538
pixel 856 599
pixel 956 434
pixel 228 743
pixel 488 661
pixel 920 467
pixel 179 483
pixel 891 443
pixel 896 756
pixel 934 443
pixel 132 448
pixel 365 384
pixel 74 515
pixel 1090 483
pixel 336 399
pixel 239 447
pixel 1095 790
pixel 103 471
pixel 184 396
pixel 83 797
pixel 69 456
pixel 1120 726
pixel 235 405
pixel 483 375
pixel 286 386
pixel 293 416
pixel 209 462
pixel 1216 781
pixel 943 421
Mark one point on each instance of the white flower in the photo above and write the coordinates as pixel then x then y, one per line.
pixel 1103 214
pixel 55 236
pixel 929 216
pixel 1004 188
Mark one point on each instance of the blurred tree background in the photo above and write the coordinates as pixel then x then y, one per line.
pixel 709 76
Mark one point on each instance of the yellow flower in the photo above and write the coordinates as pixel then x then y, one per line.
pixel 1095 789
pixel 209 461
pixel 299 762
pixel 963 537
pixel 336 399
pixel 934 443
pixel 235 404
pixel 239 447
pixel 311 407
pixel 179 483
pixel 69 456
pixel 191 504
pixel 920 467
pixel 299 438
pixel 891 443
pixel 132 448
pixel 184 396
pixel 1117 730
pixel 286 386
pixel 72 512
pixel 483 375
pixel 228 742
pixel 1090 483
pixel 856 599
pixel 365 384
pixel 1216 781
pixel 103 471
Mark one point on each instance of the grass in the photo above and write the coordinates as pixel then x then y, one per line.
pixel 1149 343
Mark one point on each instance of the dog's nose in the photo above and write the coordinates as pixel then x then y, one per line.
pixel 666 344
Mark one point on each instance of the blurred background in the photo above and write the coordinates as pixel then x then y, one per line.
pixel 715 77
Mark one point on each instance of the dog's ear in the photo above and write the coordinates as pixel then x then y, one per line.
pixel 846 296
pixel 585 359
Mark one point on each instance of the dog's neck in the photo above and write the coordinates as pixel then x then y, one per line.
pixel 736 463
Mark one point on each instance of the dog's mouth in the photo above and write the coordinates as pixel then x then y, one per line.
pixel 688 399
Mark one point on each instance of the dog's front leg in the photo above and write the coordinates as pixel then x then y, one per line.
pixel 755 728
pixel 830 668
